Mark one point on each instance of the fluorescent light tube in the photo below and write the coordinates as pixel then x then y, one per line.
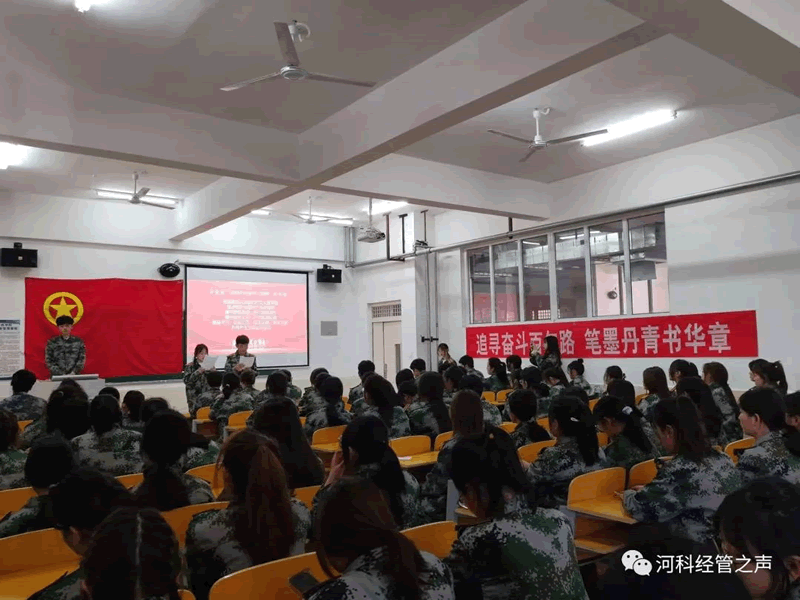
pixel 341 221
pixel 168 202
pixel 12 154
pixel 640 123
pixel 115 195
pixel 261 212
pixel 83 5
pixel 380 207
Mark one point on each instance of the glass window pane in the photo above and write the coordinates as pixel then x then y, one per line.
pixel 480 293
pixel 649 272
pixel 570 274
pixel 536 278
pixel 506 282
pixel 608 269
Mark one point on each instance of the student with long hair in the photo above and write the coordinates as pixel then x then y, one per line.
pixel 514 363
pixel 445 360
pixel 234 399
pixel 194 375
pixel 248 380
pixel 262 523
pixel 307 391
pixel 655 382
pixel 334 413
pixel 314 401
pixel 278 419
pixel 108 447
pixel 498 376
pixel 689 487
pixel 576 369
pixel 557 382
pixel 407 391
pixel 381 401
pixel 355 398
pixel 132 410
pixel 12 460
pixel 429 414
pixel 700 393
pixel 613 373
pixel 628 443
pixel 624 390
pixel 25 406
pixel 763 417
pixel 491 414
pixel 362 549
pixel 715 375
pixel 792 402
pixel 67 414
pixel 452 382
pixel 517 550
pixel 575 452
pixel 768 374
pixel 550 358
pixel 468 363
pixel 681 368
pixel 523 407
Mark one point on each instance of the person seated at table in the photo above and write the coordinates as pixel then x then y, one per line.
pixel 530 379
pixel 234 399
pixel 362 549
pixel 628 443
pixel 491 414
pixel 655 383
pixel 132 411
pixel 278 419
pixel 164 443
pixel 519 549
pixel 700 393
pixel 12 460
pixel 576 369
pixel 558 383
pixel 498 376
pixel 212 393
pixel 792 402
pixel 575 452
pixel 689 487
pixel 108 447
pixel 715 375
pixel 293 392
pixel 314 401
pixel 133 554
pixel 522 406
pixel 47 463
pixel 277 388
pixel 466 414
pixel 334 413
pixel 262 523
pixel 308 391
pixel 408 390
pixel 25 406
pixel 468 363
pixel 429 415
pixel 382 402
pixel 513 363
pixel 452 382
pixel 69 400
pixel 355 398
pixel 366 453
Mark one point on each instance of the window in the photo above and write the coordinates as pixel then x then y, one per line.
pixel 649 273
pixel 480 288
pixel 570 274
pixel 608 269
pixel 536 278
pixel 506 282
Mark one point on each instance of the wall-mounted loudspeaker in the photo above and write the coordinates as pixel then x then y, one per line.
pixel 17 257
pixel 328 275
pixel 169 270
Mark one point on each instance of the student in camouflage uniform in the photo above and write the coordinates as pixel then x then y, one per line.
pixel 468 363
pixel 408 393
pixel 277 389
pixel 575 452
pixel 248 379
pixel 132 410
pixel 429 415
pixel 452 382
pixel 12 460
pixel 518 551
pixel 768 374
pixel 700 393
pixel 558 383
pixel 233 364
pixel 108 447
pixel 234 399
pixel 293 392
pixel 65 354
pixel 622 423
pixel 498 377
pixel 194 375
pixel 491 414
pixel 334 413
pixel 522 406
pixel 211 395
pixel 530 378
pixel 689 487
pixel 67 412
pixel 654 380
pixel 716 376
pixel 355 528
pixel 417 367
pixel 222 542
pixel 576 371
pixel 21 403
pixel 792 403
pixel 356 396
pixel 311 400
pixel 551 359
pixel 202 451
pixel 445 361
pixel 382 402
pixel 624 390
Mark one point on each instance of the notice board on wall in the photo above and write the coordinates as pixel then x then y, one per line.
pixel 10 347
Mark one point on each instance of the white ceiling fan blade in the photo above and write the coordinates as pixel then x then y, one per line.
pixel 331 79
pixel 143 192
pixel 241 84
pixel 530 153
pixel 156 204
pixel 287 44
pixel 508 135
pixel 580 136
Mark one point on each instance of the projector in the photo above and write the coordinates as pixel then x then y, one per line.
pixel 371 235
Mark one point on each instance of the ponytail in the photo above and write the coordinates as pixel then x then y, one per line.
pixel 331 390
pixel 499 368
pixel 610 407
pixel 166 438
pixel 575 420
pixel 162 489
pixel 390 478
pixel 719 375
pixel 230 383
pixel 684 417
pixel 780 377
pixel 382 396
pixel 430 387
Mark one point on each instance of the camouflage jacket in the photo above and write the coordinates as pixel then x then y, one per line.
pixel 67 587
pixel 311 403
pixel 198 457
pixel 433 492
pixel 212 551
pixel 116 452
pixel 493 384
pixel 364 578
pixel 207 398
pixel 622 452
pixel 544 362
pixel 581 382
pixel 199 491
pixel 555 467
pixel 356 395
pixel 476 373
pixel 529 432
pixel 769 457
pixel 448 397
pixel 543 405
pixel 731 428
pixel 685 495
pixel 294 393
pixel 63 357
pixel 401 427
pixel 128 423
pixel 421 419
pixel 12 469
pixel 195 380
pixel 491 414
pixel 32 432
pixel 35 515
pixel 24 406
pixel 523 555
pixel 647 405
pixel 223 408
pixel 319 419
pixel 263 397
pixel 233 360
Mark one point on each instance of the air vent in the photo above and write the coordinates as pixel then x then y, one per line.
pixel 382 311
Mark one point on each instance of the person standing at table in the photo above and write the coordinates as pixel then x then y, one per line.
pixel 65 354
pixel 232 365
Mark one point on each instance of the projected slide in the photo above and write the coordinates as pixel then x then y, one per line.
pixel 269 307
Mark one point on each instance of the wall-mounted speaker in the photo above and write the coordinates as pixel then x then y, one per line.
pixel 328 275
pixel 17 257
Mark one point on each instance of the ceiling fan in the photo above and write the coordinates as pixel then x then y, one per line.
pixel 292 71
pixel 537 143
pixel 309 218
pixel 138 195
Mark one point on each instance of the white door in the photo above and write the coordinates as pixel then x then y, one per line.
pixel 386 348
pixel 377 346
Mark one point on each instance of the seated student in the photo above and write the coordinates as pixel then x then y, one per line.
pixel 194 375
pixel 689 487
pixel 307 391
pixel 402 376
pixel 12 460
pixel 557 381
pixel 792 402
pixel 47 463
pixel 498 376
pixel 313 401
pixel 21 403
pixel 700 393
pixel 334 413
pixel 70 395
pixel 519 550
pixel 382 403
pixel 277 388
pixel 576 371
pixel 655 383
pixel 612 373
pixel 133 554
pixel 513 363
pixel 522 406
pixel 515 377
pixel 262 523
pixel 681 368
pixel 153 406
pixel 248 380
pixel 715 375
pixel 452 381
pixel 466 413
pixel 293 392
pixel 234 399
pixel 108 447
pixel 165 441
pixel 445 360
pixel 763 418
pixel 278 419
pixel 624 390
pixel 362 549
pixel 768 374
pixel 67 413
pixel 212 393
pixel 201 452
pixel 628 443
pixel 530 378
pixel 468 363
pixel 366 453
pixel 761 520
pixel 132 411
pixel 355 398
pixel 491 414
pixel 417 367
pixel 407 390
pixel 429 415
pixel 110 391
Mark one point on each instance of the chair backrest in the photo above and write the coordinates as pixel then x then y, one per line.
pixel 593 403
pixel 641 397
pixel 596 484
pixel 602 438
pixel 328 435
pixel 33 550
pixel 530 452
pixel 348 407
pixel 187 416
pixel 239 419
pixel 269 581
pixel 441 439
pixel 180 518
pixel 742 444
pixel 12 500
pixel 508 427
pixel 186 595
pixel 131 480
pixel 642 473
pixel 544 422
pixel 436 538
pixel 303 420
pixel 502 395
pixel 411 445
pixel 23 424
pixel 306 494
pixel 206 473
pixel 488 396
pixel 345 399
pixel 203 413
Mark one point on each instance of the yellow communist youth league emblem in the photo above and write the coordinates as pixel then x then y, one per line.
pixel 63 304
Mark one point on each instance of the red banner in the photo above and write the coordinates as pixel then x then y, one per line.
pixel 130 326
pixel 708 335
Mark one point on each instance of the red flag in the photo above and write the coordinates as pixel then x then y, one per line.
pixel 130 326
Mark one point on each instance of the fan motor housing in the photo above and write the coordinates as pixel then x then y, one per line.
pixel 293 73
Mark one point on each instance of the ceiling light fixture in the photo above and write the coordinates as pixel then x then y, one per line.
pixel 83 5
pixel 380 207
pixel 11 155
pixel 115 195
pixel 346 222
pixel 261 212
pixel 635 125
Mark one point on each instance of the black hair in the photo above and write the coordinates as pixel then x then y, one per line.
pixel 380 394
pixel 230 383
pixel 364 367
pixel 417 365
pixel 403 375
pixel 576 420
pixel 551 347
pixel 64 320
pixel 22 381
pixel 531 375
pixel 523 404
pixel 467 361
pixel 104 414
pixel 287 373
pixel 165 440
pixel 454 374
pixel 683 416
pixel 719 375
pixel 242 339
pixel 443 346
pixel 701 395
pixel 331 391
pixel 153 406
pixel 430 387
pixel 771 372
pixel 466 413
pixel 319 379
pixel 684 367
pixel 9 430
pixel 767 404
pixel 514 362
pixel 616 409
pixel 85 497
pixel 214 379
pixel 623 390
pixel 316 372
pixel 277 384
pixel 110 391
pixel 133 401
pixel 792 402
pixel 198 349
pixel 614 372
pixel 578 392
pixel 49 460
pixel 68 412
pixel 471 382
pixel 555 373
pixel 577 366
pixel 248 377
pixel 408 388
pixel 655 382
pixel 499 368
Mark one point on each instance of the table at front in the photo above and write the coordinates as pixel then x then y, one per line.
pixel 21 585
pixel 607 507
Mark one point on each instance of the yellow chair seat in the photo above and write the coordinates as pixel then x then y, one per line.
pixel 268 581
pixel 436 538
pixel 441 439
pixel 203 413
pixel 132 480
pixel 742 444
pixel 327 435
pixel 530 452
pixel 13 500
pixel 306 494
pixel 411 445
pixel 239 419
pixel 488 396
pixel 508 427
